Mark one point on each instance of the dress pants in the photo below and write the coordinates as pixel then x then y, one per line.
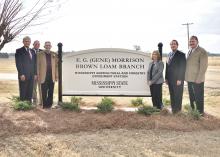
pixel 26 89
pixel 156 94
pixel 196 95
pixel 176 95
pixel 34 95
pixel 47 89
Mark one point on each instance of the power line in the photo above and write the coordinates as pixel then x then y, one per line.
pixel 187 26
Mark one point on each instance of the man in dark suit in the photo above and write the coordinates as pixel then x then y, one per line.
pixel 175 73
pixel 25 59
pixel 36 49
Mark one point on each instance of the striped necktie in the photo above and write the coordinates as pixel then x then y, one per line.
pixel 190 52
pixel 170 57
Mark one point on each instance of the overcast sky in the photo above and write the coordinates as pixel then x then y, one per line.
pixel 86 24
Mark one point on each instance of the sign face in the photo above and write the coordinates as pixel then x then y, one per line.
pixel 106 71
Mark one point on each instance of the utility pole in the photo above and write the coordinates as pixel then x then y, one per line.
pixel 187 25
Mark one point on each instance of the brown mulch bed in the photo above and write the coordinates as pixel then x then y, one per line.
pixel 59 121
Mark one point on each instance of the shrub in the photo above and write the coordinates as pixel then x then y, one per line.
pixel 17 104
pixel 70 106
pixel 22 105
pixel 166 102
pixel 148 110
pixel 193 113
pixel 73 105
pixel 137 102
pixel 76 100
pixel 106 105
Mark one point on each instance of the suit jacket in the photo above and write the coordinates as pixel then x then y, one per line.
pixel 24 64
pixel 42 66
pixel 37 51
pixel 196 65
pixel 157 73
pixel 176 69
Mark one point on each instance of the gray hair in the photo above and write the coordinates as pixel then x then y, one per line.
pixel 36 41
pixel 47 42
pixel 26 38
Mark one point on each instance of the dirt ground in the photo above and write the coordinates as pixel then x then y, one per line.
pixel 54 132
pixel 115 143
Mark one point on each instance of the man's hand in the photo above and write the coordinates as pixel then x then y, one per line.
pixel 178 82
pixel 22 78
pixel 166 82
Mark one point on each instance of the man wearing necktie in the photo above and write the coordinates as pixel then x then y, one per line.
pixel 196 66
pixel 36 49
pixel 36 46
pixel 174 76
pixel 25 59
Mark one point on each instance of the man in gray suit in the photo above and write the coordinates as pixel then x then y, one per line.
pixel 36 49
pixel 196 66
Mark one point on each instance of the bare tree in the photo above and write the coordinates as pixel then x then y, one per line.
pixel 14 17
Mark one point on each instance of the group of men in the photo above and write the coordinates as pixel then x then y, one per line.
pixel 36 67
pixel 192 69
pixel 40 67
